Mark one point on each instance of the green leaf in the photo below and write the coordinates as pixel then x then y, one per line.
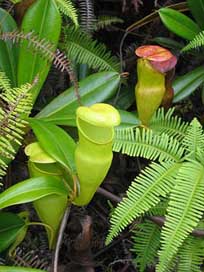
pixel 44 19
pixel 56 142
pixel 8 50
pixel 185 85
pixel 18 269
pixel 197 9
pixel 93 89
pixel 128 119
pixel 10 226
pixel 179 23
pixel 30 190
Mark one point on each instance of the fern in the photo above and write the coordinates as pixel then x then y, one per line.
pixel 82 49
pixel 188 196
pixel 66 7
pixel 105 21
pixel 146 240
pixel 194 139
pixel 144 143
pixel 16 103
pixel 197 41
pixel 88 19
pixel 167 123
pixel 191 255
pixel 154 181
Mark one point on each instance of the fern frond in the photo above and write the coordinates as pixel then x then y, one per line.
pixel 144 143
pixel 197 41
pixel 105 21
pixel 146 243
pixel 66 7
pixel 88 19
pixel 166 123
pixel 154 181
pixel 194 139
pixel 191 255
pixel 159 209
pixel 186 207
pixel 4 82
pixel 81 48
pixel 46 50
pixel 17 103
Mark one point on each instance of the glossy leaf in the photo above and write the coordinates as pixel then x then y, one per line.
pixel 44 19
pixel 10 226
pixel 185 85
pixel 197 9
pixel 179 23
pixel 18 269
pixel 8 50
pixel 128 119
pixel 30 190
pixel 94 89
pixel 56 142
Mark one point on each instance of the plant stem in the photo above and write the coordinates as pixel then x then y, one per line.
pixel 59 239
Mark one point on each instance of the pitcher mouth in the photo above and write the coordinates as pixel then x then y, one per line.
pixel 96 134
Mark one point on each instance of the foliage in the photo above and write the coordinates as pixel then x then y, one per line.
pixel 180 177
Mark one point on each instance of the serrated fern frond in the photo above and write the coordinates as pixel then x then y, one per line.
pixel 105 21
pixel 191 255
pixel 17 102
pixel 193 142
pixel 197 41
pixel 67 7
pixel 166 123
pixel 88 19
pixel 186 207
pixel 82 49
pixel 144 143
pixel 154 181
pixel 146 240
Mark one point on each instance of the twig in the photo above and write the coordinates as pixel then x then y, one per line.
pixel 159 220
pixel 59 239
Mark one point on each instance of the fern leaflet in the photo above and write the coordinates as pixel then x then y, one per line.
pixel 82 49
pixel 146 243
pixel 15 103
pixel 144 143
pixel 194 139
pixel 105 21
pixel 197 41
pixel 167 123
pixel 191 255
pixel 188 196
pixel 88 19
pixel 66 7
pixel 154 181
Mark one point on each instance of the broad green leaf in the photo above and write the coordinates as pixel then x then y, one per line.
pixel 30 190
pixel 125 99
pixel 169 43
pixel 10 226
pixel 179 23
pixel 44 19
pixel 8 50
pixel 94 89
pixel 197 9
pixel 56 142
pixel 128 119
pixel 185 85
pixel 18 269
